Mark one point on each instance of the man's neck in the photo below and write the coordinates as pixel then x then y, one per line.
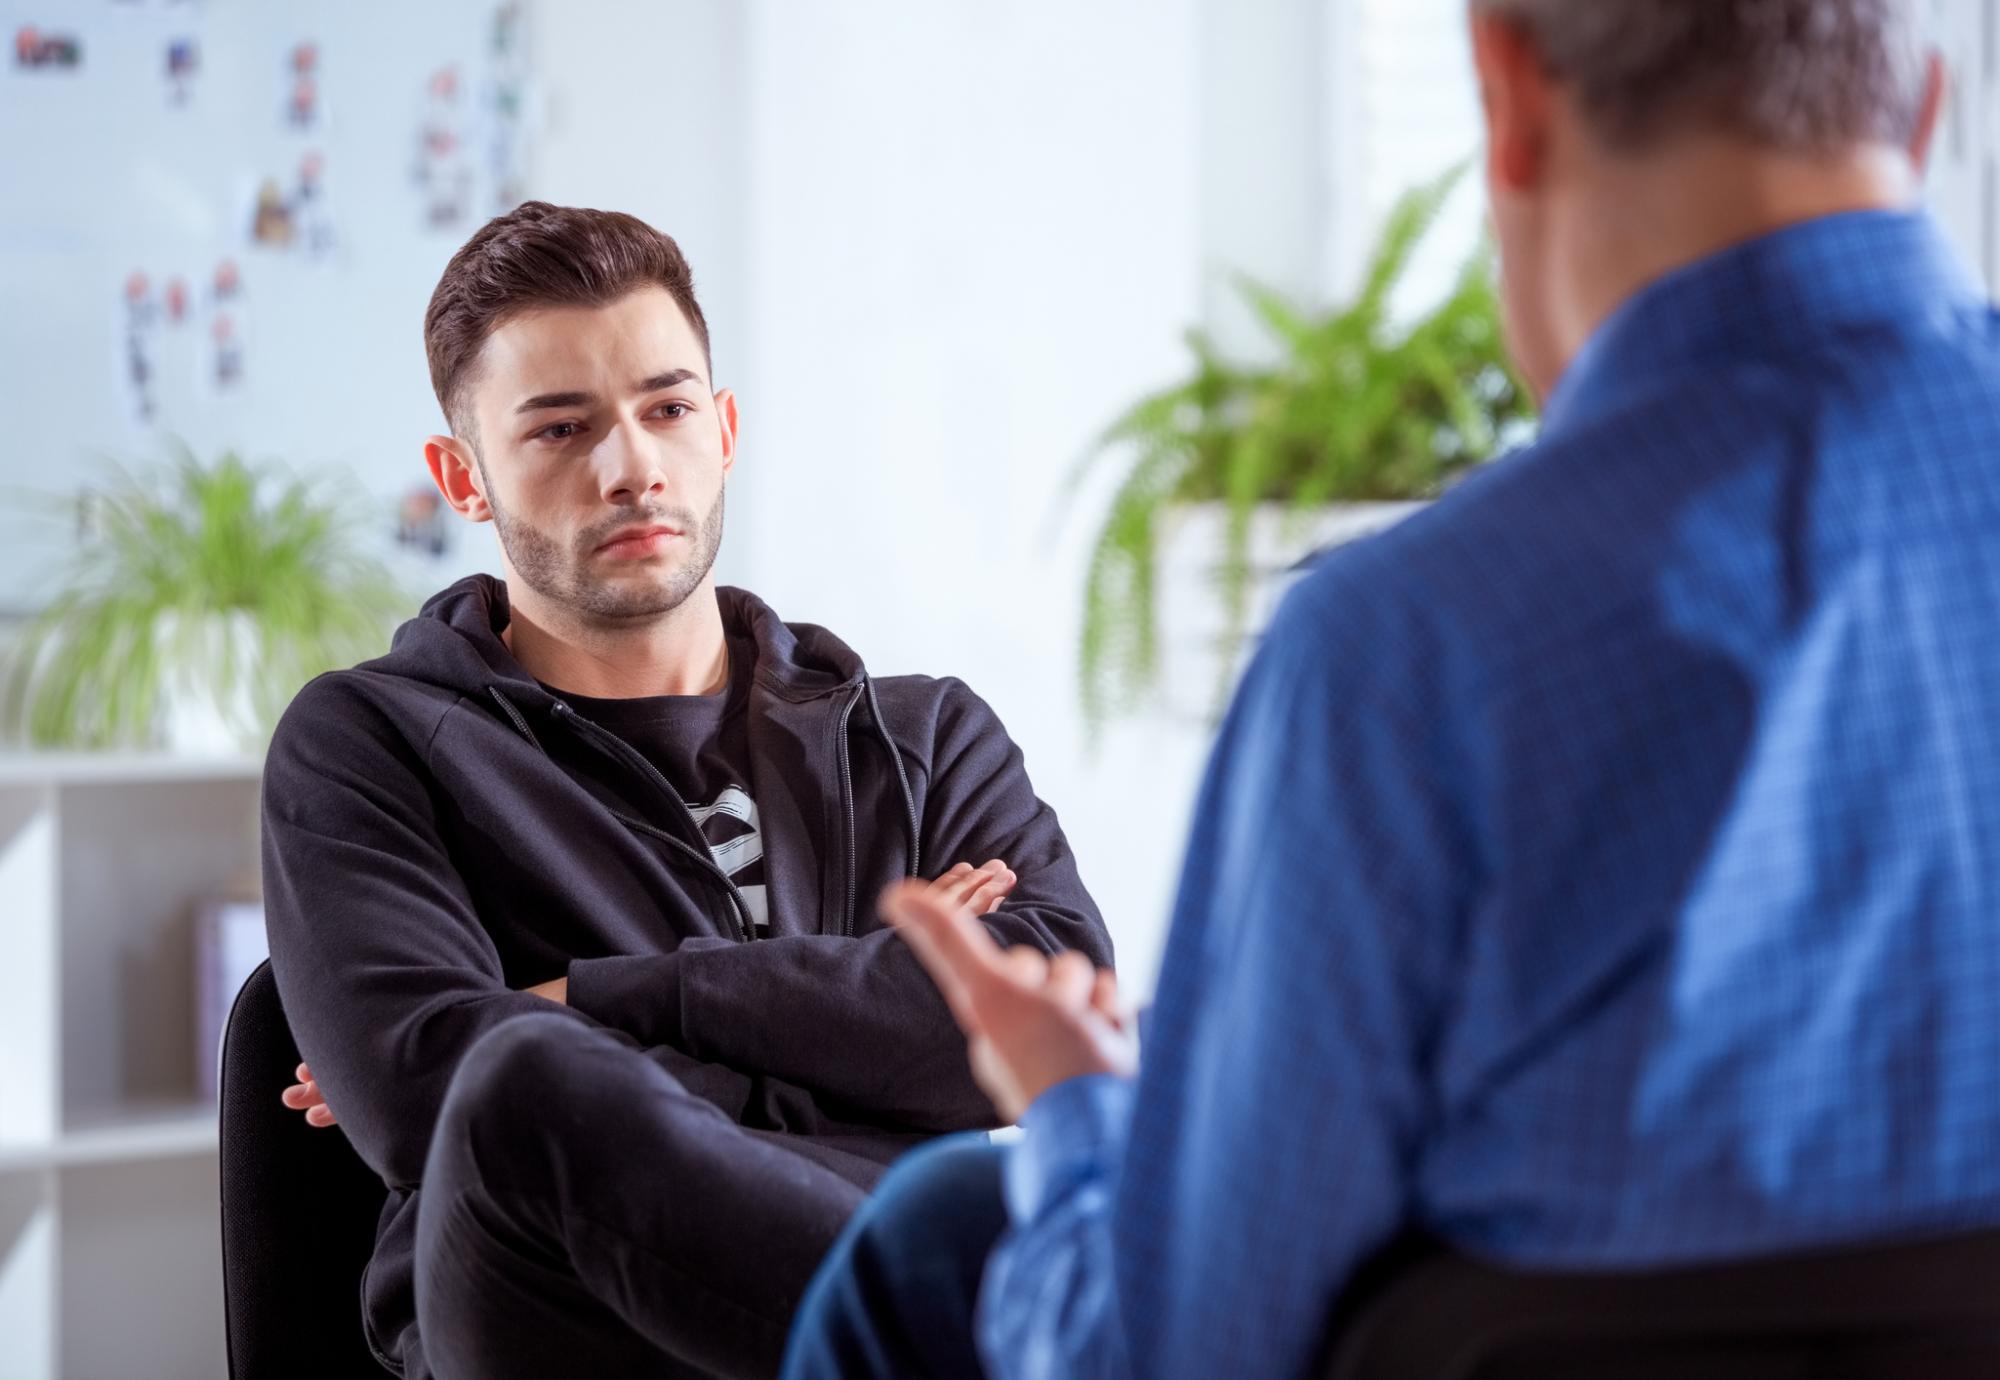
pixel 1644 217
pixel 683 652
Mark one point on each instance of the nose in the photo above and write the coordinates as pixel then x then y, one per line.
pixel 629 466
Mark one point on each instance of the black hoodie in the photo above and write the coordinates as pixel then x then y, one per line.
pixel 441 831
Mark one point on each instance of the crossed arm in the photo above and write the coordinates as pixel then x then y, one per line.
pixel 973 890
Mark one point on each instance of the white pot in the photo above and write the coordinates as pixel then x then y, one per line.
pixel 1194 655
pixel 210 664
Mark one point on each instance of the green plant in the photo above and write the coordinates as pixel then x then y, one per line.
pixel 173 557
pixel 1354 408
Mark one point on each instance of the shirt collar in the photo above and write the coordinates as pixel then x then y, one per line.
pixel 1778 294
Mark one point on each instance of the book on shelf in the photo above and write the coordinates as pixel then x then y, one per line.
pixel 229 943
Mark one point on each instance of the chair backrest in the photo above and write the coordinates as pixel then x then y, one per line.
pixel 1928 1309
pixel 299 1210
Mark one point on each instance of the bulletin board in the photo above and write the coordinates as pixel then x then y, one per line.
pixel 220 222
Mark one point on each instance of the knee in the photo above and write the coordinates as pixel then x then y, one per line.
pixel 519 1071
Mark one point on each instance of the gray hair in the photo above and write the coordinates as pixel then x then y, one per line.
pixel 1802 75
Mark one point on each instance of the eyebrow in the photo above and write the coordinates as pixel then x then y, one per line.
pixel 544 401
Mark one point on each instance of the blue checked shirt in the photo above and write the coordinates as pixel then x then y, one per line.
pixel 1601 868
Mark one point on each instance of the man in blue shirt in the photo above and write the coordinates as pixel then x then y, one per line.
pixel 1597 870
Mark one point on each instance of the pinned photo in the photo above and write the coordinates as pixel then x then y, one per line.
pixel 312 222
pixel 294 215
pixel 46 51
pixel 138 373
pixel 228 331
pixel 421 523
pixel 443 171
pixel 508 103
pixel 182 65
pixel 303 107
pixel 271 219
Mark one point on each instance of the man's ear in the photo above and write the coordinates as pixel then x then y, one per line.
pixel 456 473
pixel 1516 92
pixel 725 418
pixel 1937 85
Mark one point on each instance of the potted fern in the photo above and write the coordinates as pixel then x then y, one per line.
pixel 1356 421
pixel 203 599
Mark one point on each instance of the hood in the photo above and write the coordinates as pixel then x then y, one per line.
pixel 454 642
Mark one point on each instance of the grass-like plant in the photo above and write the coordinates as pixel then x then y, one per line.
pixel 237 579
pixel 1354 408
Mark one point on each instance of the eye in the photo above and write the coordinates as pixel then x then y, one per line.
pixel 558 431
pixel 674 410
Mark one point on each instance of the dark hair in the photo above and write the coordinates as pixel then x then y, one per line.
pixel 538 255
pixel 1800 75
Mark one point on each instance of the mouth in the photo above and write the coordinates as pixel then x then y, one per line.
pixel 639 541
pixel 636 542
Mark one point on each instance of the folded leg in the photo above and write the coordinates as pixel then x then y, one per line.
pixel 582 1213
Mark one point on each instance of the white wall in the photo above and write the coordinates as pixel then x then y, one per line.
pixel 1267 141
pixel 974 234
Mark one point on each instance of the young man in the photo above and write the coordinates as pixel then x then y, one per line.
pixel 1596 871
pixel 571 894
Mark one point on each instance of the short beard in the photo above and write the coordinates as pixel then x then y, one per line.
pixel 561 577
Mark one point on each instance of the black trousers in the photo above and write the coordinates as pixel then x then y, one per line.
pixel 583 1213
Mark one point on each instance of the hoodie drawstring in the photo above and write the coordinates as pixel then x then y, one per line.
pixel 902 777
pixel 520 721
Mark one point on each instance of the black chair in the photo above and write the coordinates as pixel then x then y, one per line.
pixel 1918 1311
pixel 298 1213
pixel 299 1210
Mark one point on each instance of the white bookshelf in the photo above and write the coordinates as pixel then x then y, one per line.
pixel 110 1261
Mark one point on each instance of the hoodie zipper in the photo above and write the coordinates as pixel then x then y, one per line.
pixel 847 805
pixel 611 742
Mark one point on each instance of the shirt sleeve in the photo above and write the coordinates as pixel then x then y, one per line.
pixel 1046 1302
pixel 1204 1221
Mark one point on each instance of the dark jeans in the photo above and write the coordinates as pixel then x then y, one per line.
pixel 895 1296
pixel 583 1213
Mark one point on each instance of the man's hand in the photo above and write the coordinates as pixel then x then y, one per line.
pixel 305 1096
pixel 1030 1021
pixel 978 889
pixel 555 990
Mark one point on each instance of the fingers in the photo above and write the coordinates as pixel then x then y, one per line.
pixel 977 889
pixel 955 884
pixel 1072 980
pixel 1026 966
pixel 1104 998
pixel 959 942
pixel 953 947
pixel 986 898
pixel 305 1096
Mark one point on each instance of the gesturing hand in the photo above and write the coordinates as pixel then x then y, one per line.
pixel 1030 1021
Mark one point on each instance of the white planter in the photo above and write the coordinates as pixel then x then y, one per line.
pixel 1193 622
pixel 206 705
